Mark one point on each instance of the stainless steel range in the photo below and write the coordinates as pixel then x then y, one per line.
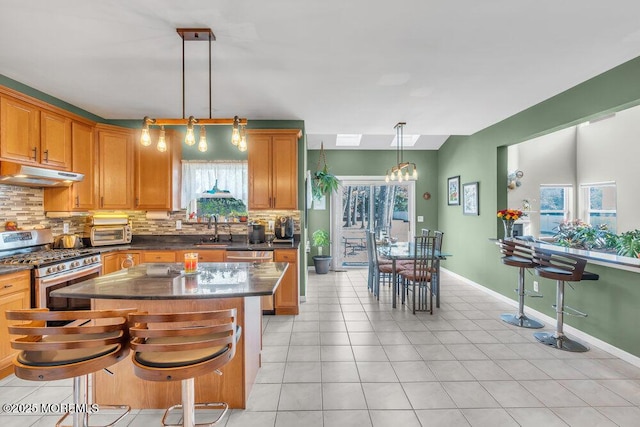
pixel 52 268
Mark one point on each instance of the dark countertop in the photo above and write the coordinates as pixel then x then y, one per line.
pixel 195 243
pixel 164 281
pixel 12 268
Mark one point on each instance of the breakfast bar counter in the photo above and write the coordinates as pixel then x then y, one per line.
pixel 164 288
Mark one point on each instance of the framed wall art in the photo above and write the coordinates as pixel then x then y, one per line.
pixel 453 190
pixel 470 198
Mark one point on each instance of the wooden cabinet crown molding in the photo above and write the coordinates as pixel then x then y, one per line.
pixel 296 132
pixel 5 91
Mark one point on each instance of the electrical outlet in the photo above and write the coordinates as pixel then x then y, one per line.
pixel 178 224
pixel 420 218
pixel 535 286
pixel 65 228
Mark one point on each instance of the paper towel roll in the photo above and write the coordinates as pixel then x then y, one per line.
pixel 158 270
pixel 158 215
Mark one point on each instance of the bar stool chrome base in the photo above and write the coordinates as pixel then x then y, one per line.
pixel 521 321
pixel 561 343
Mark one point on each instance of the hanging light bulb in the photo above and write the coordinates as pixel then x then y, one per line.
pixel 145 137
pixel 406 176
pixel 386 178
pixel 202 143
pixel 415 173
pixel 235 133
pixel 190 138
pixel 162 142
pixel 242 145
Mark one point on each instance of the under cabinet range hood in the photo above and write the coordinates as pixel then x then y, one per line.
pixel 36 176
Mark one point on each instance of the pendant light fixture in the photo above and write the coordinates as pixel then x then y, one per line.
pixel 238 124
pixel 402 171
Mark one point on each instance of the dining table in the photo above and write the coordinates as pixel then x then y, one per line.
pixel 400 251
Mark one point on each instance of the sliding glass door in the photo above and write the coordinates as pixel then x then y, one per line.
pixel 364 204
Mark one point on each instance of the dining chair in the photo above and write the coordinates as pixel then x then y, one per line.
pixel 383 267
pixel 417 281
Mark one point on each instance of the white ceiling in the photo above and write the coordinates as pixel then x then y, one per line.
pixel 356 67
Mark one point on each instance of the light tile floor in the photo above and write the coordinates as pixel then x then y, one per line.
pixel 351 360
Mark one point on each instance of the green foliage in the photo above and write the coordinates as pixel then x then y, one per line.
pixel 221 206
pixel 576 234
pixel 628 244
pixel 324 183
pixel 320 238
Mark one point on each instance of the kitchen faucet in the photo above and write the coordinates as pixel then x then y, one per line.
pixel 215 222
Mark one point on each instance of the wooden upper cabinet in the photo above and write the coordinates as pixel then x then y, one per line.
pixel 30 135
pixel 273 168
pixel 81 196
pixel 19 131
pixel 157 174
pixel 55 140
pixel 115 159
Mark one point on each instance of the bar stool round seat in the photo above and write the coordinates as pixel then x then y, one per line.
pixel 519 255
pixel 562 268
pixel 85 342
pixel 180 347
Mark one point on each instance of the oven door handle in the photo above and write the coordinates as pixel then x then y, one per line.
pixel 68 275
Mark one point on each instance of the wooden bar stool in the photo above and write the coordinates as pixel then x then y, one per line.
pixel 94 340
pixel 562 268
pixel 519 255
pixel 180 347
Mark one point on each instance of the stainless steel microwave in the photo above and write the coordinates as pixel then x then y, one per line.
pixel 102 235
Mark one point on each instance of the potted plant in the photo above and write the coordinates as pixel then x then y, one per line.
pixel 320 238
pixel 324 183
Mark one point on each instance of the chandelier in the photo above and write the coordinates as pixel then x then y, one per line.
pixel 238 137
pixel 402 171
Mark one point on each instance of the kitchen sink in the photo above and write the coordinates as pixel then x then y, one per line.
pixel 211 244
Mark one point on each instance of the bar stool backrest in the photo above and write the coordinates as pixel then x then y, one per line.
pixel 178 346
pixel 93 340
pixel 559 266
pixel 517 254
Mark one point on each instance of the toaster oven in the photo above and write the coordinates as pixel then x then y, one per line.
pixel 102 235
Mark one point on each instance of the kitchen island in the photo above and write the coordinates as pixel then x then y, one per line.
pixel 166 288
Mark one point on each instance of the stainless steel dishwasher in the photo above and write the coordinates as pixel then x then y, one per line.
pixel 254 256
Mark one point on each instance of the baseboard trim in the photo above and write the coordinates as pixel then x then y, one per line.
pixel 596 342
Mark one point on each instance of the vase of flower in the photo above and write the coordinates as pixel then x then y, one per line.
pixel 509 217
pixel 508 228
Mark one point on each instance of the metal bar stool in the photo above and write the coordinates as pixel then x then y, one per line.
pixel 180 347
pixel 562 268
pixel 93 340
pixel 521 256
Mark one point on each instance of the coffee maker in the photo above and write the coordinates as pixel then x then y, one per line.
pixel 284 227
pixel 256 233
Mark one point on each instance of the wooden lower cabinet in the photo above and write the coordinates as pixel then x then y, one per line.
pixel 158 256
pixel 15 293
pixel 288 293
pixel 209 255
pixel 116 261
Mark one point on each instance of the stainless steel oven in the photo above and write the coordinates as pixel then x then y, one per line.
pixel 43 285
pixel 50 268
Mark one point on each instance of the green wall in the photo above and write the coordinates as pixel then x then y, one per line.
pixel 376 163
pixel 612 301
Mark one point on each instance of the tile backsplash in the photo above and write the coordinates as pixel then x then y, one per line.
pixel 25 206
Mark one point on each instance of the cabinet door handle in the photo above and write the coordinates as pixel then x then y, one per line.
pixel 77 201
pixel 7 286
pixel 46 155
pixel 35 153
pixel 137 202
pixel 102 202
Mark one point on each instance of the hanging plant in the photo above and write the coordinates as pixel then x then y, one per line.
pixel 324 182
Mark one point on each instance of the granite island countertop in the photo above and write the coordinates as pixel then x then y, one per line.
pixel 162 281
